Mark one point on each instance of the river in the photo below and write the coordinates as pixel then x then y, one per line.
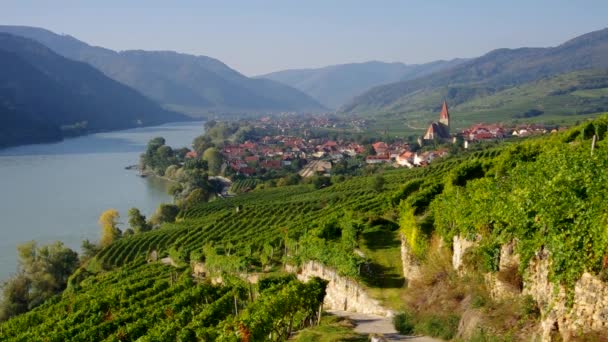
pixel 52 192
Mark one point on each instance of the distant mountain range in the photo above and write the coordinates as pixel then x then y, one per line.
pixel 52 86
pixel 492 76
pixel 335 85
pixel 45 97
pixel 197 85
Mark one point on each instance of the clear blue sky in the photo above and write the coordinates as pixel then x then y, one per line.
pixel 256 37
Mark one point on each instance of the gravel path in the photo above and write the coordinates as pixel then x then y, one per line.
pixel 372 324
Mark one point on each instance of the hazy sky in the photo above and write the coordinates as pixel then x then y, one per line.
pixel 256 37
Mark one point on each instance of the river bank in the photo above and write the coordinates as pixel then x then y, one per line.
pixel 57 191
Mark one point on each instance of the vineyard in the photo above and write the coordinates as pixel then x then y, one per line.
pixel 243 185
pixel 125 294
pixel 153 302
pixel 253 219
pixel 119 296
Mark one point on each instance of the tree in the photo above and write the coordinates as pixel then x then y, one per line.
pixel 89 250
pixel 379 183
pixel 196 196
pixel 15 296
pixel 214 160
pixel 165 213
pixel 321 181
pixel 137 221
pixel 202 143
pixel 109 227
pixel 43 272
pixel 175 189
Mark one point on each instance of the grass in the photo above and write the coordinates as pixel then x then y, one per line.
pixel 440 298
pixel 384 275
pixel 331 329
pixel 563 99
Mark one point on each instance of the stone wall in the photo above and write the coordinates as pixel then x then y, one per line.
pixel 411 267
pixel 342 293
pixel 589 312
pixel 460 246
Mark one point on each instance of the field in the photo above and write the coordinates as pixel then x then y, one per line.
pixel 561 100
pixel 124 294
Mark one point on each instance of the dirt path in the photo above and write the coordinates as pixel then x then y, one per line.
pixel 372 324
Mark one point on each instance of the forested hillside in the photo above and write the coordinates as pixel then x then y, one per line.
pixel 478 78
pixel 335 85
pixel 194 84
pixel 546 193
pixel 44 97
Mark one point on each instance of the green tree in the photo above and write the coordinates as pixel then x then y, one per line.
pixel 196 196
pixel 137 221
pixel 89 250
pixel 165 213
pixel 214 160
pixel 379 183
pixel 15 296
pixel 175 189
pixel 321 181
pixel 201 143
pixel 43 272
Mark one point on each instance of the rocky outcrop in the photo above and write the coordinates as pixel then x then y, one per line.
pixel 507 282
pixel 589 311
pixel 460 246
pixel 411 266
pixel 342 293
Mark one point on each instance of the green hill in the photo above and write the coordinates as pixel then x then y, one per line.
pixel 544 192
pixel 193 84
pixel 486 75
pixel 44 97
pixel 557 99
pixel 335 85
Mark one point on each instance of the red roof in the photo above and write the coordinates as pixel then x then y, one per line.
pixel 271 164
pixel 191 154
pixel 445 114
pixel 384 157
pixel 379 144
pixel 247 171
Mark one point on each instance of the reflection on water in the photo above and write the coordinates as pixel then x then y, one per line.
pixel 57 191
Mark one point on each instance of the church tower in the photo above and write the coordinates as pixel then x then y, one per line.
pixel 444 117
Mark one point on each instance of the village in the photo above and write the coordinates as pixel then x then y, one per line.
pixel 296 151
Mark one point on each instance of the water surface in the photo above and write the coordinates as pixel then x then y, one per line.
pixel 57 191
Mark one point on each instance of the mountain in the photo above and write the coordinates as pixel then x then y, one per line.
pixel 195 84
pixel 496 71
pixel 334 85
pixel 45 96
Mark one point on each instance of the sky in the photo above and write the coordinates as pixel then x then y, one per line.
pixel 257 37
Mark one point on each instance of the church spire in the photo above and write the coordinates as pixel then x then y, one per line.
pixel 444 117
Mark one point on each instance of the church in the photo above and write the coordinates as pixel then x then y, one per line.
pixel 440 130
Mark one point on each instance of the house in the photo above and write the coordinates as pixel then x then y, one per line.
pixel 406 159
pixel 483 132
pixel 440 130
pixel 378 159
pixel 323 167
pixel 252 159
pixel 271 164
pixel 380 147
pixel 246 171
pixel 191 155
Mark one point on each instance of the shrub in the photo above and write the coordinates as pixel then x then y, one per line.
pixel 484 258
pixel 404 323
pixel 444 327
pixel 406 190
